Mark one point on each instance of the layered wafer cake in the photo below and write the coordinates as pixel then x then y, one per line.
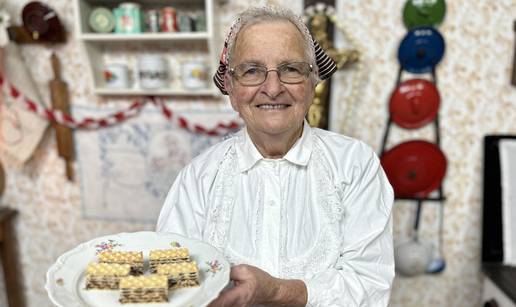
pixel 134 259
pixel 105 275
pixel 144 289
pixel 180 274
pixel 166 256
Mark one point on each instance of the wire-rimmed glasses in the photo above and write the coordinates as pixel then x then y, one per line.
pixel 251 74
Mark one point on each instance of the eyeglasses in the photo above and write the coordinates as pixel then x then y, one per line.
pixel 249 74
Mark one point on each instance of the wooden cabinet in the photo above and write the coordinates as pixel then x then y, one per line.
pixel 177 48
pixel 499 289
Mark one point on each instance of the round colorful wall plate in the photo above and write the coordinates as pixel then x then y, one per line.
pixel 414 103
pixel 418 13
pixel 421 50
pixel 414 168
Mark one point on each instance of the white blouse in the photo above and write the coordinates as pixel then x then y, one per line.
pixel 322 214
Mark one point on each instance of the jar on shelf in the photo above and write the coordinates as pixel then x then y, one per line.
pixel 169 19
pixel 152 17
pixel 128 18
pixel 152 71
pixel 116 75
pixel 194 74
pixel 185 22
pixel 200 22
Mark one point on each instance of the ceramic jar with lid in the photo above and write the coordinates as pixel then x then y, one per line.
pixel 194 74
pixel 152 71
pixel 116 76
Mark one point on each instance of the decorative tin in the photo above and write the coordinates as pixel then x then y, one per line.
pixel 421 50
pixel 200 22
pixel 152 21
pixel 128 18
pixel 185 23
pixel 169 19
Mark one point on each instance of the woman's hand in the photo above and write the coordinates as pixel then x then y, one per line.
pixel 252 286
pixel 255 286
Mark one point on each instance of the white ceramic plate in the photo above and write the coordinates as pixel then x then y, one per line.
pixel 66 278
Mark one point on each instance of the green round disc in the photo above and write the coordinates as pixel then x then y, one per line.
pixel 102 20
pixel 418 13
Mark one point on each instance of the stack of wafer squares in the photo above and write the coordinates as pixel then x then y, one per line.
pixel 166 256
pixel 144 289
pixel 180 274
pixel 134 259
pixel 123 270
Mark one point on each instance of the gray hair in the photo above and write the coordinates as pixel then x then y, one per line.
pixel 255 15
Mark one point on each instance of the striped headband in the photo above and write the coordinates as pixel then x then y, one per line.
pixel 325 64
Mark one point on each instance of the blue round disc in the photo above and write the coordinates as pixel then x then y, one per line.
pixel 421 50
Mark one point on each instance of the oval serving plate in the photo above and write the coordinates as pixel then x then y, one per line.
pixel 66 277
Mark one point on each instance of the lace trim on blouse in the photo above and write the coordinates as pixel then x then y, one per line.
pixel 320 256
pixel 324 252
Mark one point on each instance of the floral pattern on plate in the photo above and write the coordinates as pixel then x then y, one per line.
pixel 108 245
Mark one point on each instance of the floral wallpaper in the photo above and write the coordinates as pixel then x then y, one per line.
pixel 477 99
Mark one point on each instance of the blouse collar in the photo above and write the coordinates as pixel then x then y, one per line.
pixel 299 154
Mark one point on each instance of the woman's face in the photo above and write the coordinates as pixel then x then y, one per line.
pixel 272 108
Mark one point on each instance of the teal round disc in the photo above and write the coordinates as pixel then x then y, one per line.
pixel 102 20
pixel 418 13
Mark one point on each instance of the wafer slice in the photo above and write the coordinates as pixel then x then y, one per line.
pixel 180 274
pixel 144 289
pixel 134 259
pixel 165 256
pixel 105 275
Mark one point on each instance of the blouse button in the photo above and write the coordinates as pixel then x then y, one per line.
pixel 272 203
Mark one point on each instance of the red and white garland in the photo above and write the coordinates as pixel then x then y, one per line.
pixel 115 118
pixel 219 129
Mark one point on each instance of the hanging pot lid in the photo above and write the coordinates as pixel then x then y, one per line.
pixel 414 103
pixel 42 22
pixel 421 50
pixel 418 13
pixel 414 168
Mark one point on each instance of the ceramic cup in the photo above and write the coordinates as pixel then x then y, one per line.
pixel 152 71
pixel 116 76
pixel 194 75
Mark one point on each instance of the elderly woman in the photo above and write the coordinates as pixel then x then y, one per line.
pixel 303 214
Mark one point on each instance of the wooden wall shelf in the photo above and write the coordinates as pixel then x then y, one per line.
pixel 102 48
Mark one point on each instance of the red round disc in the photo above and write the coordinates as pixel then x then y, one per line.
pixel 414 103
pixel 414 168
